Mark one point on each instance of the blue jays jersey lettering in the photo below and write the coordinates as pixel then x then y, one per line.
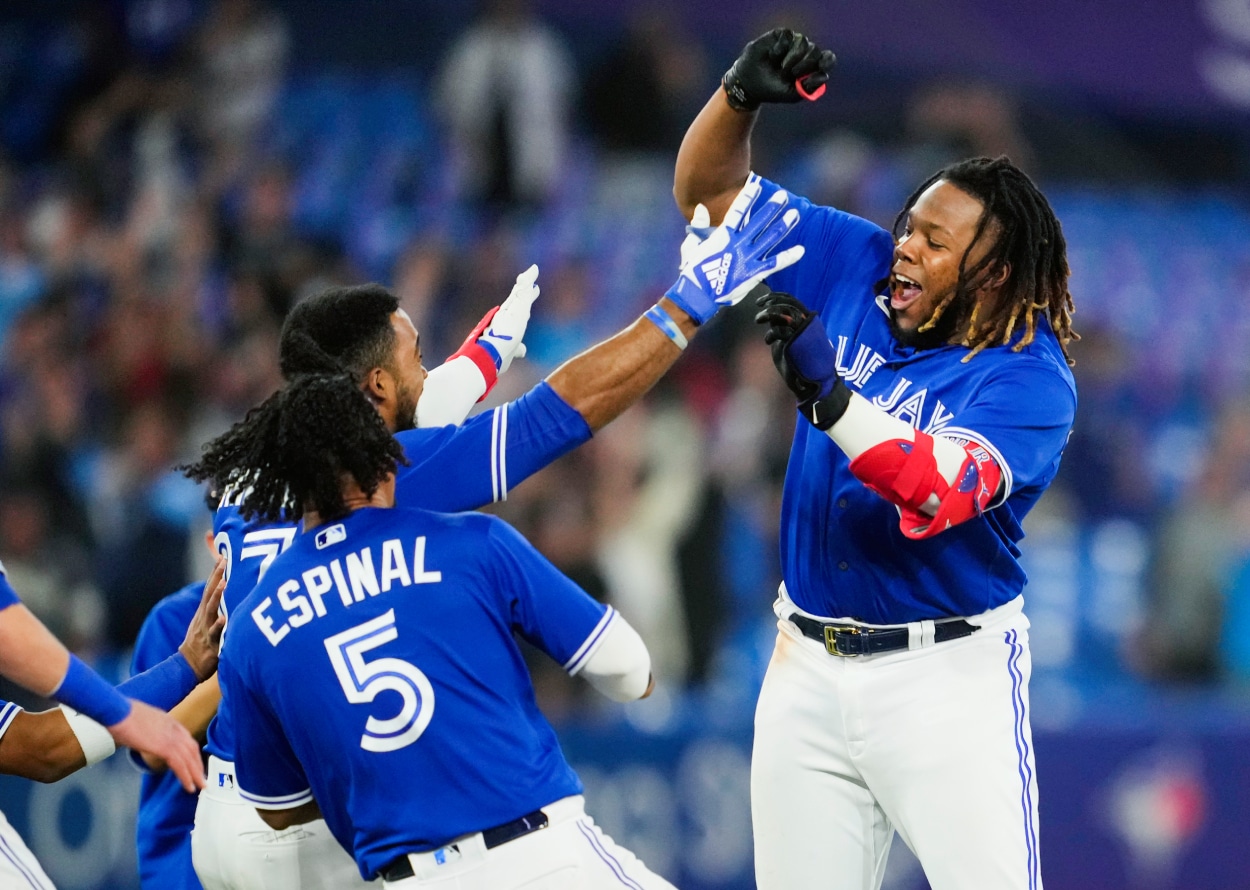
pixel 1018 405
pixel 166 812
pixel 451 469
pixel 395 629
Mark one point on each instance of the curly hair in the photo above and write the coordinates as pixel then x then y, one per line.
pixel 1028 240
pixel 290 453
pixel 350 324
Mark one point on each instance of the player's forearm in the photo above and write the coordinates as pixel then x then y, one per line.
pixel 194 712
pixel 41 747
pixel 29 654
pixel 606 379
pixel 451 390
pixel 714 159
pixel 620 668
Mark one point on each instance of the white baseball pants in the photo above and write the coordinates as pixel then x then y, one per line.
pixel 931 742
pixel 233 849
pixel 19 869
pixel 571 853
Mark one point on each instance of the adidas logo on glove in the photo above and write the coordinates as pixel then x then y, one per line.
pixel 717 271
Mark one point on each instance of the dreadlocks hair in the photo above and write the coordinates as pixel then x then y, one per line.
pixel 350 324
pixel 290 453
pixel 1027 238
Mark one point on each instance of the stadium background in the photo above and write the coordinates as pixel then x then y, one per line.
pixel 175 173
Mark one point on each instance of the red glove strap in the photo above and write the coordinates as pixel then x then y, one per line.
pixel 477 353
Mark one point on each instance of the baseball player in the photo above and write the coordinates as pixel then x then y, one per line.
pixel 49 746
pixel 398 705
pixel 933 381
pixel 456 468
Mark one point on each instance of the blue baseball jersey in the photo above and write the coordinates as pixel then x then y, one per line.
pixel 451 469
pixel 377 664
pixel 8 596
pixel 842 552
pixel 166 812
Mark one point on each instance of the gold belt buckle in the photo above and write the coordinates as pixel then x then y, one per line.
pixel 831 640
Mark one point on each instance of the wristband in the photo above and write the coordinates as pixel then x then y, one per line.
pixel 94 739
pixel 659 316
pixel 163 685
pixel 86 691
pixel 824 411
pixel 735 94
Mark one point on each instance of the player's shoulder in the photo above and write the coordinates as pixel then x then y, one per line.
pixel 420 521
pixel 178 607
pixel 166 622
pixel 1042 356
pixel 823 221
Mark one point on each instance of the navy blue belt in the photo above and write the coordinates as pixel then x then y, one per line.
pixel 492 837
pixel 851 639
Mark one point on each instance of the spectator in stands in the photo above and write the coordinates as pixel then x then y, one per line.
pixel 504 90
pixel 639 98
pixel 241 58
pixel 1196 554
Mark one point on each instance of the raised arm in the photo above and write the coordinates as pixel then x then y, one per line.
pixel 717 272
pixel 715 155
pixel 714 159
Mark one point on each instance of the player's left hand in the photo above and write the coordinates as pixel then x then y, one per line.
pixel 150 731
pixel 725 266
pixel 203 641
pixel 503 338
pixel 804 357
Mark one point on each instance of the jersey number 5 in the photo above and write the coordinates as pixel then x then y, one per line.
pixel 363 680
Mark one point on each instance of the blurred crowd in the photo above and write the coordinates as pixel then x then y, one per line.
pixel 168 190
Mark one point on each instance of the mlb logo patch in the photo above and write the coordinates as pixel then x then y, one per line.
pixel 331 535
pixel 444 855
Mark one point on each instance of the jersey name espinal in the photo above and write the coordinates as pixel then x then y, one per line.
pixel 351 577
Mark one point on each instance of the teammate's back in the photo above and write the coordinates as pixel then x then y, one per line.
pixel 422 606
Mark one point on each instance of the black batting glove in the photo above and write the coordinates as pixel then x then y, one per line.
pixel 769 67
pixel 804 357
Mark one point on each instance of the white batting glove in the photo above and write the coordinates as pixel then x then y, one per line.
pixel 507 329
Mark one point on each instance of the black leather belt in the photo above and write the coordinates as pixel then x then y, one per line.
pixel 492 837
pixel 851 639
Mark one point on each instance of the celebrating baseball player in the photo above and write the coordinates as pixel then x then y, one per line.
pixel 453 468
pixel 933 380
pixel 373 607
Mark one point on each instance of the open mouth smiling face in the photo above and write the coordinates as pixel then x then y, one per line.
pixel 937 232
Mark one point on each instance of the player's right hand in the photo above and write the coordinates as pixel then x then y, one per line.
pixel 507 326
pixel 203 640
pixel 771 65
pixel 154 732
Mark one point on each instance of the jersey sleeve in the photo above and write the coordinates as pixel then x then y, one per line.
pixel 846 255
pixel 454 469
pixel 8 596
pixel 547 608
pixel 1022 417
pixel 8 711
pixel 270 776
